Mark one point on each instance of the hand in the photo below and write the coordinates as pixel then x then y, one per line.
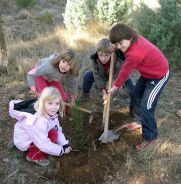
pixel 104 99
pixel 104 96
pixel 67 150
pixel 113 89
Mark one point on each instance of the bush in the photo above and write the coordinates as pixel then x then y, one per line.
pixel 25 3
pixel 162 27
pixel 76 14
pixel 80 138
pixel 46 18
pixel 113 11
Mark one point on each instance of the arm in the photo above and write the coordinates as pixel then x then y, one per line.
pixel 61 138
pixel 125 71
pixel 38 133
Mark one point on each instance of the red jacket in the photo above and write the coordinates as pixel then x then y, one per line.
pixel 146 58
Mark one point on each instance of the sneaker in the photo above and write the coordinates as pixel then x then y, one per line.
pixel 42 162
pixel 133 126
pixel 146 144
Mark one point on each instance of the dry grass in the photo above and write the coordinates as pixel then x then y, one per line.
pixel 164 160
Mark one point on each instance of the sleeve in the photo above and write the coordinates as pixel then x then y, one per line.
pixel 61 138
pixel 38 133
pixel 99 79
pixel 41 69
pixel 125 71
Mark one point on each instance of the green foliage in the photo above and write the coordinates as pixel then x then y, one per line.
pixel 113 11
pixel 76 14
pixel 25 3
pixel 162 27
pixel 80 138
pixel 46 18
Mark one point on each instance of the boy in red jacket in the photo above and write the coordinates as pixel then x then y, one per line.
pixel 142 55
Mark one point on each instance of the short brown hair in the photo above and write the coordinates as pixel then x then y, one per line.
pixel 104 45
pixel 121 32
pixel 71 57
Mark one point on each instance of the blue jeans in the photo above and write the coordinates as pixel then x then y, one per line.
pixel 88 80
pixel 144 100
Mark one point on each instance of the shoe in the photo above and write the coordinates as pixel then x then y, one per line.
pixel 145 145
pixel 133 126
pixel 42 162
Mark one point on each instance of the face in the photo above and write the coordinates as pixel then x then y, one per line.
pixel 64 66
pixel 104 57
pixel 123 45
pixel 52 106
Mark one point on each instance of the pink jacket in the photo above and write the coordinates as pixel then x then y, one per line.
pixel 33 128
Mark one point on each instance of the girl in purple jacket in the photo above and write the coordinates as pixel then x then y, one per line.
pixel 40 134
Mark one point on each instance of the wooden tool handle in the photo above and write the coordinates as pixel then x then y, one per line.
pixel 79 108
pixel 109 96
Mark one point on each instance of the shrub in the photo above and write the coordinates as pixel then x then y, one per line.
pixel 46 18
pixel 113 11
pixel 75 16
pixel 162 27
pixel 25 3
pixel 80 138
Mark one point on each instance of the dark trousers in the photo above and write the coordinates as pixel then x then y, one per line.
pixel 88 80
pixel 144 100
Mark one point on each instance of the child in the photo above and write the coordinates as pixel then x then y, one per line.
pixel 52 70
pixel 101 65
pixel 40 134
pixel 142 55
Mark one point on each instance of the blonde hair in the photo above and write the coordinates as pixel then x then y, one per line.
pixel 70 56
pixel 104 45
pixel 49 93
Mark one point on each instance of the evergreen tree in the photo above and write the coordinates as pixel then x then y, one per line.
pixel 162 27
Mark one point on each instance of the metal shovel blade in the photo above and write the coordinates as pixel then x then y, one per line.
pixel 111 136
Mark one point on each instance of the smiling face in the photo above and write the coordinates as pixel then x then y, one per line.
pixel 123 45
pixel 52 106
pixel 64 66
pixel 104 57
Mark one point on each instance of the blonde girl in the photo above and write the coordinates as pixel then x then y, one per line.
pixel 40 134
pixel 52 70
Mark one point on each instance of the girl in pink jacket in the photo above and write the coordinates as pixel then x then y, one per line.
pixel 40 134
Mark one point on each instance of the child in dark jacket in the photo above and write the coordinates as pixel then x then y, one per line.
pixel 142 55
pixel 100 73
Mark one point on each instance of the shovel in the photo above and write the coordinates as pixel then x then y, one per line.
pixel 108 135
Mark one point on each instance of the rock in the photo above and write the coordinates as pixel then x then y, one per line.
pixel 179 113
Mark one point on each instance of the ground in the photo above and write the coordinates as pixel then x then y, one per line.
pixel 92 163
pixel 88 164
